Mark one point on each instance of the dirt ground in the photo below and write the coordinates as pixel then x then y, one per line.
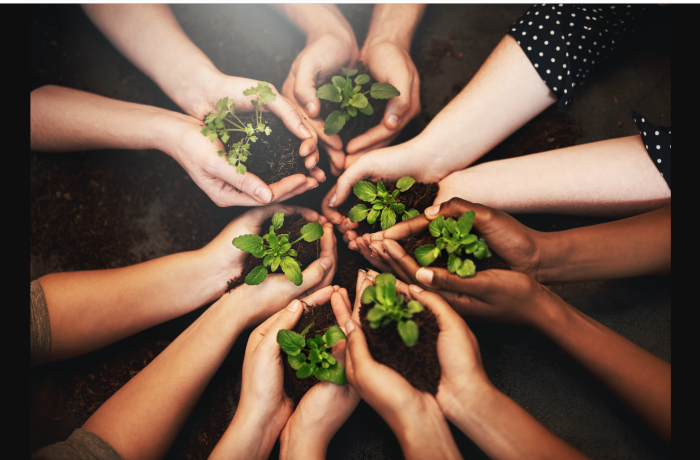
pixel 98 210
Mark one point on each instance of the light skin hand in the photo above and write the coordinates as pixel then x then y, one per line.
pixel 313 414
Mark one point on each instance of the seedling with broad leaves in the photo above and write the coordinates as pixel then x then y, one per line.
pixel 390 306
pixel 276 250
pixel 311 356
pixel 383 204
pixel 454 237
pixel 351 98
pixel 219 126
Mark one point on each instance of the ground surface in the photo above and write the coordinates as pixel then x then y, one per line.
pixel 95 210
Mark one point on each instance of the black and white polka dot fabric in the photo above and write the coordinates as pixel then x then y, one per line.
pixel 565 42
pixel 657 140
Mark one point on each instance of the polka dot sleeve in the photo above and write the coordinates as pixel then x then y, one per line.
pixel 566 42
pixel 657 141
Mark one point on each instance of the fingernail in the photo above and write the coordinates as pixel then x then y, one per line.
pixel 313 165
pixel 304 132
pixel 294 306
pixel 416 288
pixel 310 107
pixel 374 254
pixel 433 210
pixel 393 120
pixel 424 275
pixel 333 198
pixel 326 263
pixel 263 194
pixel 349 326
pixel 362 270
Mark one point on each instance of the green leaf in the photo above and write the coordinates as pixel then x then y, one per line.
pixel 256 276
pixel 337 374
pixel 453 263
pixel 414 307
pixel 278 219
pixel 352 111
pixel 330 92
pixel 361 79
pixel 349 72
pixel 314 356
pixel 386 288
pixel 346 115
pixel 408 330
pixel 359 100
pixel 375 315
pixel 381 190
pixel 306 330
pixel 296 361
pixel 338 82
pixel 311 232
pixel 334 123
pixel 268 131
pixel 369 294
pixel 285 247
pixel 384 91
pixel 358 213
pixel 275 263
pixel 347 91
pixel 292 253
pixel 367 110
pixel 405 183
pixel 469 239
pixel 467 269
pixel 331 360
pixel 465 222
pixel 482 250
pixel 364 190
pixel 322 374
pixel 388 218
pixel 272 239
pixel 290 342
pixel 311 343
pixel 372 216
pixel 410 214
pixel 248 243
pixel 305 371
pixel 333 335
pixel 450 226
pixel 290 267
pixel 398 208
pixel 425 255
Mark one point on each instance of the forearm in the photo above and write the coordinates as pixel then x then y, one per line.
pixel 63 119
pixel 248 437
pixel 504 430
pixel 91 309
pixel 640 379
pixel 315 20
pixel 636 246
pixel 152 39
pixel 295 443
pixel 394 23
pixel 143 418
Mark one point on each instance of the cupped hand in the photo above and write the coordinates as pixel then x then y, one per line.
pixel 388 63
pixel 323 57
pixel 326 406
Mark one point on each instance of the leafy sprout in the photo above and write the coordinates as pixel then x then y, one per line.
pixel 218 125
pixel 311 357
pixel 389 306
pixel 276 250
pixel 454 237
pixel 383 204
pixel 351 98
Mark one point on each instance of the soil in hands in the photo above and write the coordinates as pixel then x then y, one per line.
pixel 418 364
pixel 306 252
pixel 272 157
pixel 419 196
pixel 412 243
pixel 323 318
pixel 349 262
pixel 361 123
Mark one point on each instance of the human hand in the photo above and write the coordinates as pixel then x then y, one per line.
pixel 326 406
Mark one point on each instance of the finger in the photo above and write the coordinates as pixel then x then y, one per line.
pixel 479 286
pixel 248 183
pixel 309 147
pixel 318 174
pixel 403 229
pixel 348 235
pixel 332 215
pixel 287 319
pixel 446 317
pixel 291 118
pixel 367 253
pixel 340 310
pixel 395 114
pixel 304 88
pixel 346 181
pixel 357 353
pixel 336 157
pixel 320 297
pixel 308 183
pixel 344 293
pixel 353 157
pixel 372 136
pixel 259 333
pixel 328 251
pixel 306 213
pixel 381 252
pixel 311 277
pixel 363 281
pixel 287 185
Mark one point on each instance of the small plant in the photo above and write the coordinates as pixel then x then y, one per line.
pixel 216 125
pixel 383 203
pixel 351 98
pixel 389 306
pixel 277 252
pixel 454 237
pixel 311 357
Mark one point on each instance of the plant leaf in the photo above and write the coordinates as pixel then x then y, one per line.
pixel 256 276
pixel 296 361
pixel 290 267
pixel 333 335
pixel 467 269
pixel 388 218
pixel 386 288
pixel 334 123
pixel 272 239
pixel 414 307
pixel 450 226
pixel 314 355
pixel 305 370
pixel 465 222
pixel 358 213
pixel 290 341
pixel 381 190
pixel 306 330
pixel 361 79
pixel 425 255
pixel 330 92
pixel 311 232
pixel 337 374
pixel 278 219
pixel 369 295
pixel 453 263
pixel 359 100
pixel 398 208
pixel 372 216
pixel 275 263
pixel 367 110
pixel 349 72
pixel 408 330
pixel 375 315
pixel 364 190
pixel 248 243
pixel 352 111
pixel 347 91
pixel 410 214
pixel 405 183
pixel 384 91
pixel 338 82
pixel 482 250
pixel 322 374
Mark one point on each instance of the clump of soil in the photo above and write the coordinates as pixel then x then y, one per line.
pixel 419 196
pixel 361 123
pixel 418 364
pixel 272 157
pixel 349 263
pixel 306 252
pixel 323 318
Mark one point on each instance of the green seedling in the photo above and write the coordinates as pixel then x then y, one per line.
pixel 454 237
pixel 219 126
pixel 351 98
pixel 382 203
pixel 389 306
pixel 311 356
pixel 276 250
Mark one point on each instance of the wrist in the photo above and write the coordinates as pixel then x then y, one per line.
pixel 425 433
pixel 551 260
pixel 296 440
pixel 551 313
pixel 248 436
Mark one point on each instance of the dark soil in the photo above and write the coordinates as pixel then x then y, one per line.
pixel 272 157
pixel 306 252
pixel 419 196
pixel 418 364
pixel 349 262
pixel 323 318
pixel 361 123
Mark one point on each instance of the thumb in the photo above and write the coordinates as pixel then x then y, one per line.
pixel 286 320
pixel 356 351
pixel 311 277
pixel 248 183
pixel 397 106
pixel 305 90
pixel 345 183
